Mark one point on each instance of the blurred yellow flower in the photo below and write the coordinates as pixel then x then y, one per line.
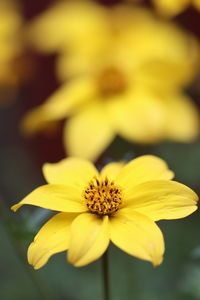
pixel 119 204
pixel 10 42
pixel 71 24
pixel 173 7
pixel 124 73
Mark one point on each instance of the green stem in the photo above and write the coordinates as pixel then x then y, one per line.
pixel 105 265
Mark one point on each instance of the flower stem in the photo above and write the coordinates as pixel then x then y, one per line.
pixel 105 266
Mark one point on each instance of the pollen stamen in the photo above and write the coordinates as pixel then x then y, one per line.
pixel 102 197
pixel 111 81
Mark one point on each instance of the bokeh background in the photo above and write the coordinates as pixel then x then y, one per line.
pixel 178 278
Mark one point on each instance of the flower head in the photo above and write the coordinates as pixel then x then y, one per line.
pixel 10 42
pixel 174 7
pixel 129 83
pixel 171 8
pixel 119 204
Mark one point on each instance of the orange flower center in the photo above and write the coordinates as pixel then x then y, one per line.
pixel 111 81
pixel 102 197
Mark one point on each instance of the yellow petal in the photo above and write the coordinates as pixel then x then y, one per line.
pixel 196 3
pixel 175 73
pixel 171 7
pixel 139 117
pixel 149 39
pixel 163 199
pixel 68 23
pixel 142 169
pixel 35 121
pixel 137 235
pixel 81 61
pixel 111 170
pixel 88 133
pixel 183 118
pixel 10 45
pixel 89 239
pixel 52 238
pixel 76 172
pixel 69 97
pixel 60 104
pixel 55 197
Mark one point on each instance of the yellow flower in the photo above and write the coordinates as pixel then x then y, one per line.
pixel 173 7
pixel 119 204
pixel 10 43
pixel 69 24
pixel 128 80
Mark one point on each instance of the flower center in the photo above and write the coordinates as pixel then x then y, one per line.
pixel 102 197
pixel 111 81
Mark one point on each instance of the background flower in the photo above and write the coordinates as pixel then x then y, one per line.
pixel 171 8
pixel 15 67
pixel 128 83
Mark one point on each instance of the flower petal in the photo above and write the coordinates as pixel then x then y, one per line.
pixel 68 23
pixel 52 238
pixel 163 199
pixel 60 104
pixel 137 235
pixel 142 169
pixel 196 3
pixel 76 172
pixel 184 125
pixel 36 120
pixel 140 117
pixel 175 73
pixel 69 97
pixel 111 170
pixel 55 197
pixel 88 133
pixel 171 7
pixel 89 239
